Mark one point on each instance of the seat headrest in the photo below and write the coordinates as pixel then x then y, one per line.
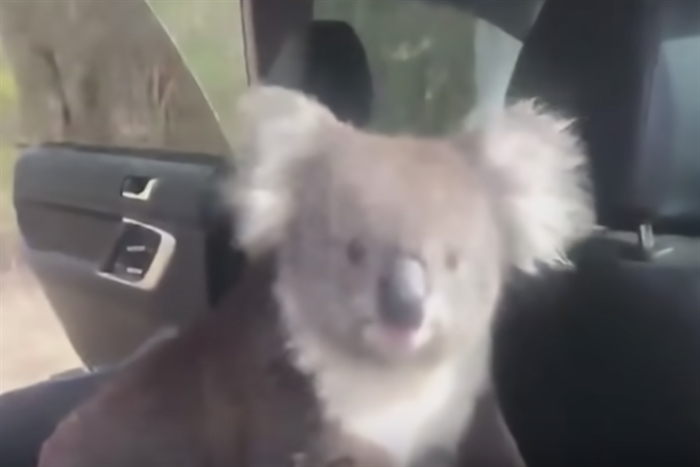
pixel 327 60
pixel 606 64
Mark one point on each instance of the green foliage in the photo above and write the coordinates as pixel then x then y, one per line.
pixel 8 116
pixel 9 92
pixel 8 88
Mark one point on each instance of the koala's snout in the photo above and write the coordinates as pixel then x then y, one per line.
pixel 403 288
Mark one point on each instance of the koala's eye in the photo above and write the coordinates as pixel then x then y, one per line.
pixel 452 260
pixel 355 252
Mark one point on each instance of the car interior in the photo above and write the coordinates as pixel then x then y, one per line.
pixel 598 364
pixel 618 348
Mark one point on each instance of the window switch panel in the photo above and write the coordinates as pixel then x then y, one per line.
pixel 133 253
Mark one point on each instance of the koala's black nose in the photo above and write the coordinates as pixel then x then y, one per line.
pixel 402 292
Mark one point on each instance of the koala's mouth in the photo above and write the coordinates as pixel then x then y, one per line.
pixel 398 340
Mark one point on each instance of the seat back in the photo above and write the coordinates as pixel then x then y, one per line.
pixel 601 365
pixel 615 68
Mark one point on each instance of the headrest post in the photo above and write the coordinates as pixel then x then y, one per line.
pixel 647 245
pixel 645 236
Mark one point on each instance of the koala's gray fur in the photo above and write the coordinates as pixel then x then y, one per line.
pixel 338 205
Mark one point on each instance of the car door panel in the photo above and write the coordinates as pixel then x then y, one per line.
pixel 96 251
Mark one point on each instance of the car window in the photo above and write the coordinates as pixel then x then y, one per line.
pixel 118 77
pixel 431 63
pixel 683 58
pixel 209 36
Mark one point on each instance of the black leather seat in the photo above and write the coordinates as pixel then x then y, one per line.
pixel 601 365
pixel 328 61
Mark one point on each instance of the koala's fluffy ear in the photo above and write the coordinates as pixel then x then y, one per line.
pixel 538 171
pixel 276 130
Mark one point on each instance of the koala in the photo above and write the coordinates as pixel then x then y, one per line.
pixel 360 332
pixel 221 393
pixel 391 253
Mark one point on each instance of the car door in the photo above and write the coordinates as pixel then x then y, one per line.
pixel 120 149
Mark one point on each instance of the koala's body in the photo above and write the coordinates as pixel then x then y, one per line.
pixel 392 252
pixel 360 333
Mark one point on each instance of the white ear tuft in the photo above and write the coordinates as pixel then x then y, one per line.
pixel 540 171
pixel 276 130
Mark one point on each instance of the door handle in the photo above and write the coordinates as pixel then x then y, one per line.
pixel 138 187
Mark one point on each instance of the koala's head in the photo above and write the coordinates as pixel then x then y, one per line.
pixel 394 248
